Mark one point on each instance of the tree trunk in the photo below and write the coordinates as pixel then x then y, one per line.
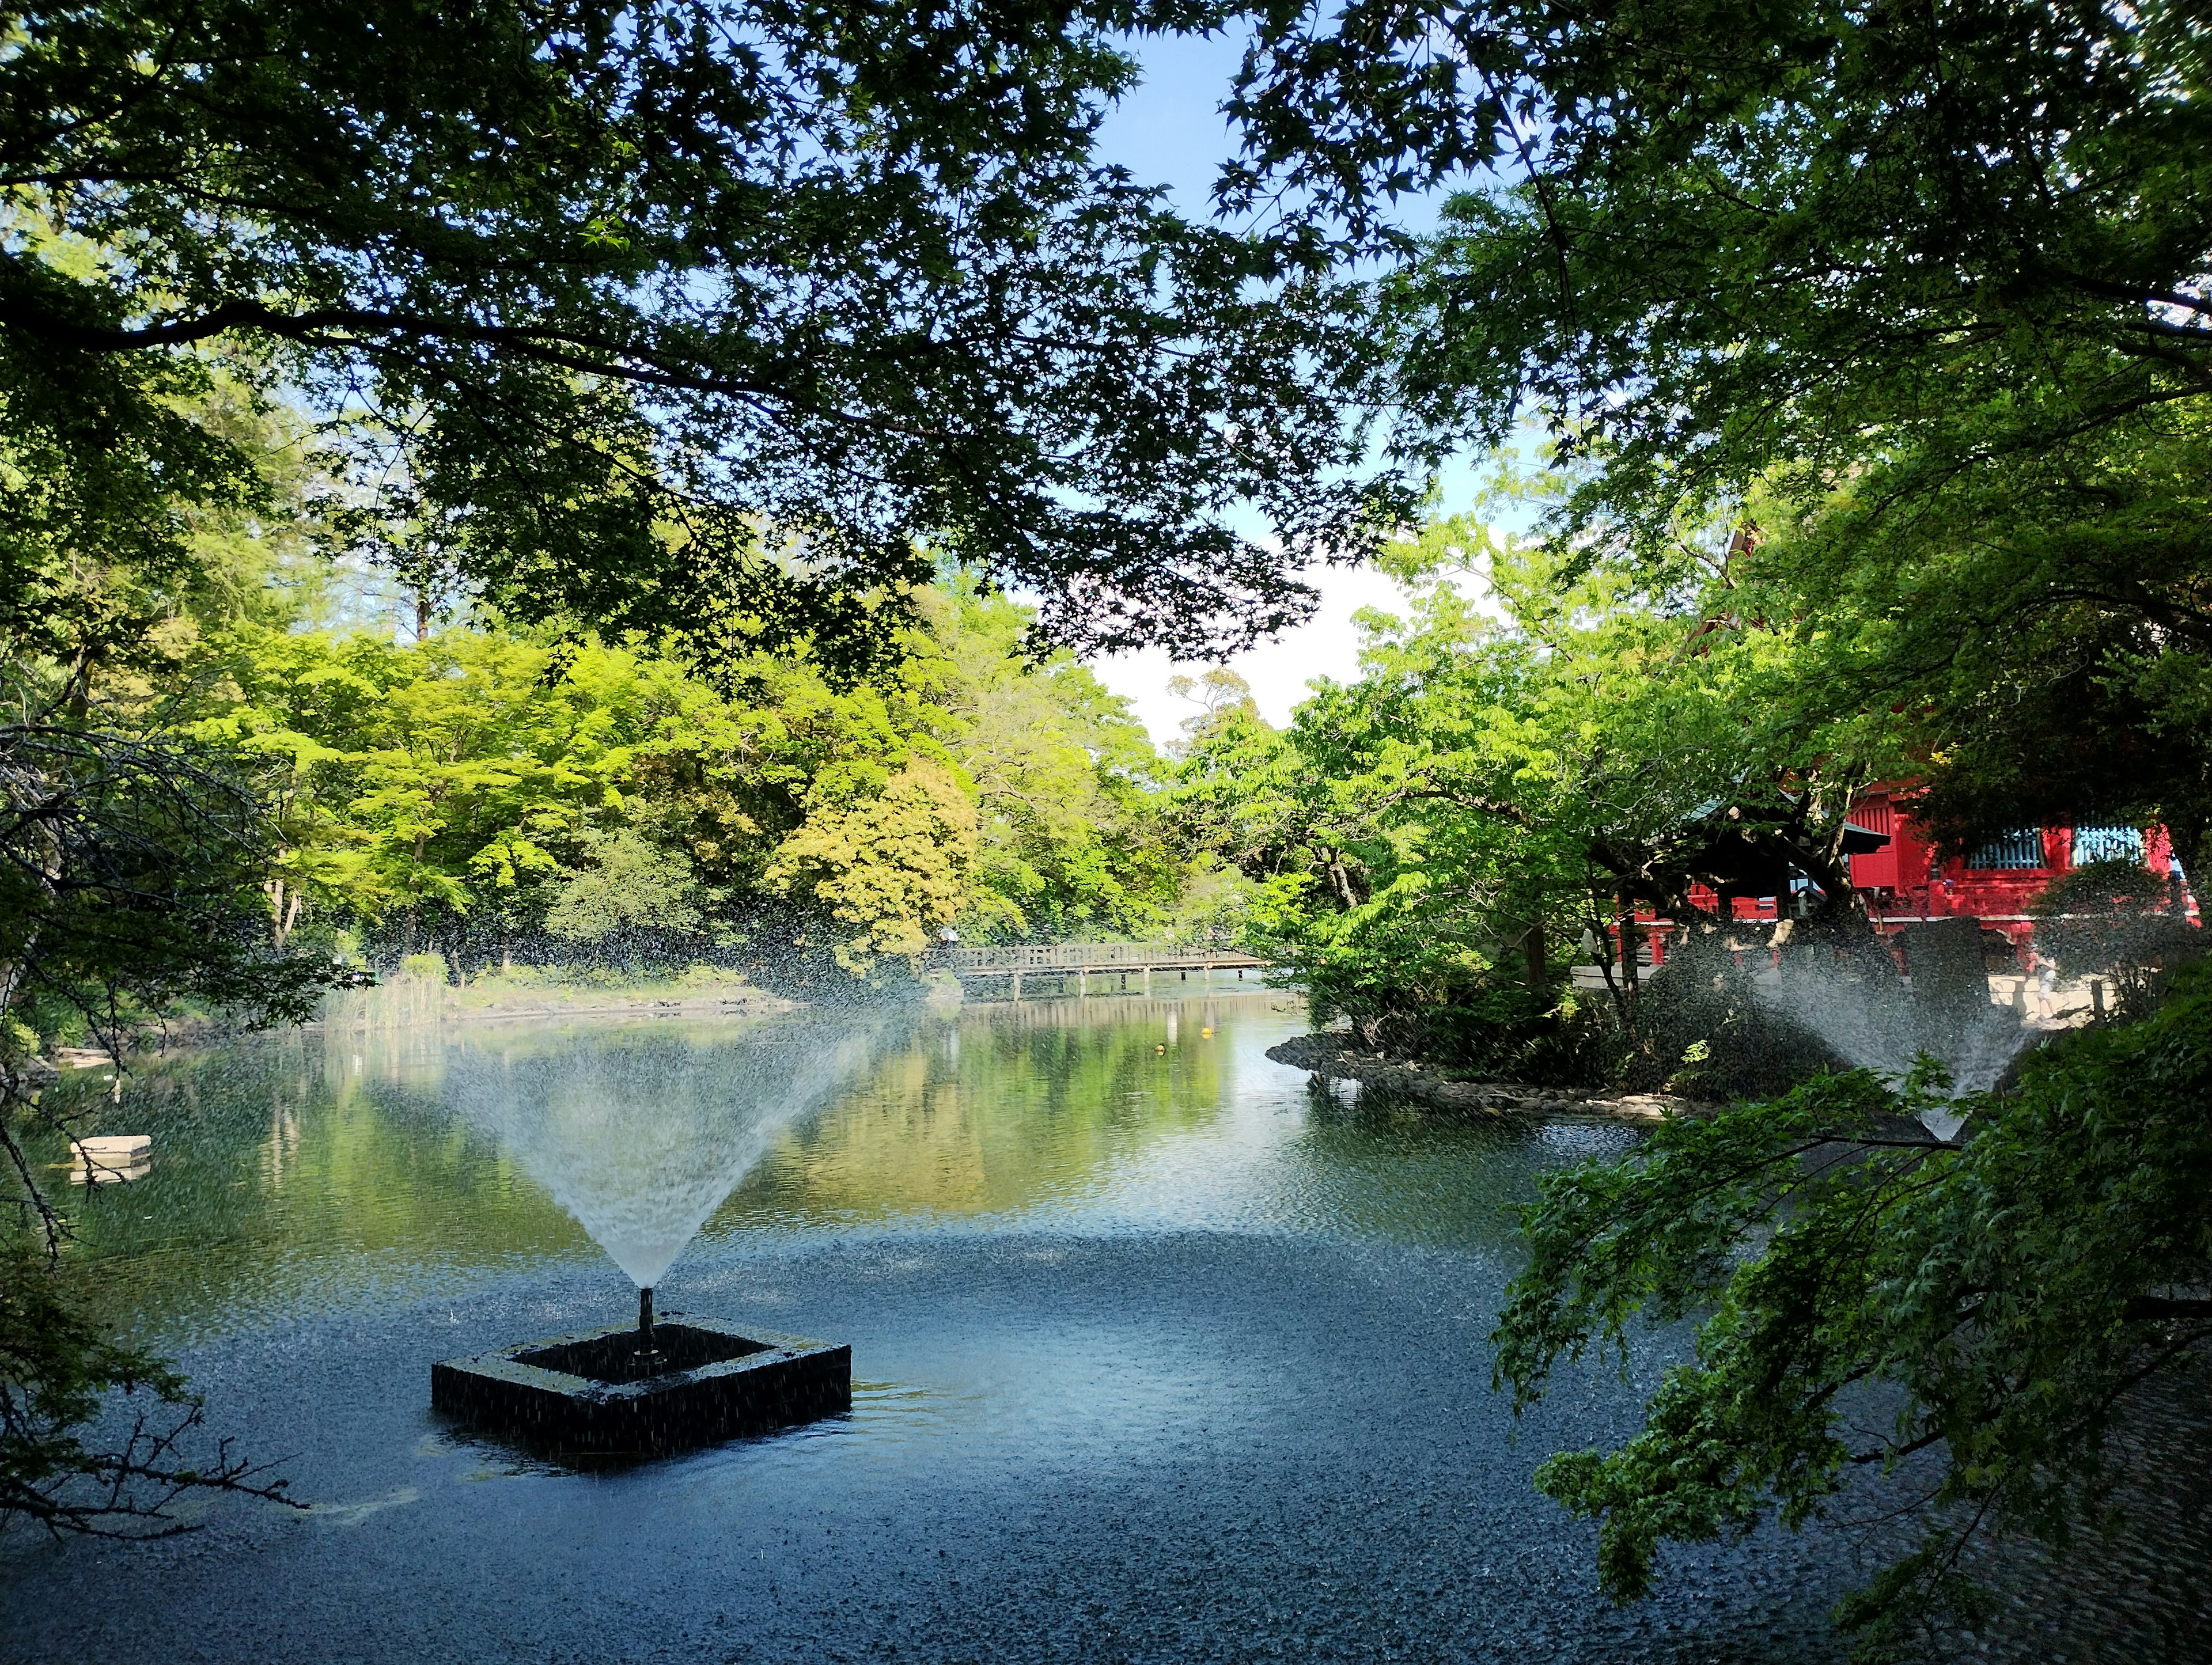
pixel 414 899
pixel 284 902
pixel 1539 970
pixel 1625 913
pixel 1342 879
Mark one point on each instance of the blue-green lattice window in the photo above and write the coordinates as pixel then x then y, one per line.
pixel 2107 844
pixel 2009 852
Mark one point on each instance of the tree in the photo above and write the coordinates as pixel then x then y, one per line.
pixel 1969 1318
pixel 1918 290
pixel 417 783
pixel 680 318
pixel 130 877
pixel 2114 918
pixel 1503 778
pixel 1221 695
pixel 890 863
pixel 1428 835
pixel 134 857
pixel 1880 333
pixel 630 887
pixel 1069 837
pixel 472 788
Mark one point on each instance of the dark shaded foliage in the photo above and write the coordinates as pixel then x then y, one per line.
pixel 2117 920
pixel 56 1372
pixel 683 318
pixel 129 873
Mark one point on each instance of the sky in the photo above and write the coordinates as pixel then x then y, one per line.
pixel 1170 131
pixel 1327 645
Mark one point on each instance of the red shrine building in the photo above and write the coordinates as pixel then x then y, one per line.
pixel 1902 882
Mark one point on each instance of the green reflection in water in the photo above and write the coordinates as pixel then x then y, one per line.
pixel 287 1173
pixel 311 1172
pixel 1004 1110
pixel 317 1172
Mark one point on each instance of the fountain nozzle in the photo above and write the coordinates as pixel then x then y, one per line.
pixel 647 1357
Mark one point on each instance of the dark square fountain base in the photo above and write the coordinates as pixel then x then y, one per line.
pixel 585 1394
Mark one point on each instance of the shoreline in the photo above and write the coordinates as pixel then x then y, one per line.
pixel 401 1001
pixel 455 1007
pixel 1331 1056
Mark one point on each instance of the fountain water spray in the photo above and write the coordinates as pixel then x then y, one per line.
pixel 641 1138
pixel 1852 997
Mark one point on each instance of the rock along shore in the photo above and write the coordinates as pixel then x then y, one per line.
pixel 1333 1057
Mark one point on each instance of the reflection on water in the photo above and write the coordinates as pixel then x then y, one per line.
pixel 307 1172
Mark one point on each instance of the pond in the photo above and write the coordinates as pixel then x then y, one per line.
pixel 1157 1355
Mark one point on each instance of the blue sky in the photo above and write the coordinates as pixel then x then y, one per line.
pixel 1169 131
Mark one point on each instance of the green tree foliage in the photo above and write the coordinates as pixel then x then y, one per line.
pixel 1922 289
pixel 1868 1293
pixel 1417 832
pixel 1879 334
pixel 893 863
pixel 133 854
pixel 683 318
pixel 1070 841
pixel 491 790
pixel 630 887
pixel 128 870
pixel 430 778
pixel 134 860
pixel 1502 782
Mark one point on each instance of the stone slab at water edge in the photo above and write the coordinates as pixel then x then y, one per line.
pixel 1334 1057
pixel 578 1393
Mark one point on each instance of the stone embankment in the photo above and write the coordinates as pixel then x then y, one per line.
pixel 1335 1057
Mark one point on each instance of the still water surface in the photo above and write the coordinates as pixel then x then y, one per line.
pixel 1158 1356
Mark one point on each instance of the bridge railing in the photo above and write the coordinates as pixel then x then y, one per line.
pixel 1092 956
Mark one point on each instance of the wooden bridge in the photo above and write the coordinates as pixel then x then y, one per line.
pixel 1080 962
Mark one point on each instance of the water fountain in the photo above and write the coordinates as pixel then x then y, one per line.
pixel 1852 996
pixel 641 1170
